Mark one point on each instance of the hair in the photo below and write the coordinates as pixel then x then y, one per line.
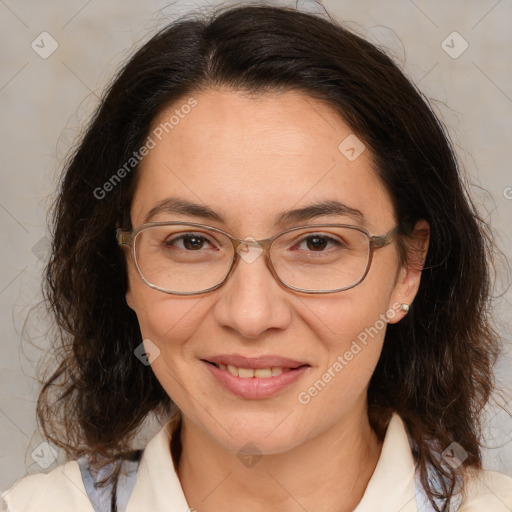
pixel 436 365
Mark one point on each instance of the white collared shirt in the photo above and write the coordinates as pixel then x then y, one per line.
pixel 393 487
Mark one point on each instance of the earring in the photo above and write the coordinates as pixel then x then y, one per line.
pixel 405 308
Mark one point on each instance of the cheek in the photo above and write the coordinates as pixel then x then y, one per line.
pixel 351 327
pixel 167 320
pixel 358 340
pixel 169 323
pixel 356 314
pixel 351 348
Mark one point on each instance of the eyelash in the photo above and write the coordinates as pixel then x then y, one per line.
pixel 183 236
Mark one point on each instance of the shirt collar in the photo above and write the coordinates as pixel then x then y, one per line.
pixel 392 485
pixel 390 489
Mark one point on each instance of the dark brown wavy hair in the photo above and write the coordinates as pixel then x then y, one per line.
pixel 435 370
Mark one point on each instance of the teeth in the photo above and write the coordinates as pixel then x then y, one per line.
pixel 233 370
pixel 263 373
pixel 247 373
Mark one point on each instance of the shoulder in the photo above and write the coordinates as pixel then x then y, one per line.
pixel 60 490
pixel 487 490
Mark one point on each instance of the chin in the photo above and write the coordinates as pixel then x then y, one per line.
pixel 253 432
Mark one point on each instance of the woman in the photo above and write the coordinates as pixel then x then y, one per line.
pixel 264 238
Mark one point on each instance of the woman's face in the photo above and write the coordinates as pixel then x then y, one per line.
pixel 249 160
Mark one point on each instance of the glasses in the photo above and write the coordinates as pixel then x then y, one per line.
pixel 185 258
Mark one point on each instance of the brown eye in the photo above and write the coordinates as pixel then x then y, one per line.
pixel 192 242
pixel 316 242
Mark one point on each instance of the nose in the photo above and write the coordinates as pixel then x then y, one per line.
pixel 252 301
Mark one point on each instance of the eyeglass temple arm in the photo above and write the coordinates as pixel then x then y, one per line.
pixel 383 240
pixel 124 237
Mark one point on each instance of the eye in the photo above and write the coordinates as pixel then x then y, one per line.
pixel 318 242
pixel 189 241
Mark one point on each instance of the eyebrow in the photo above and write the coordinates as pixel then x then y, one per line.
pixel 174 205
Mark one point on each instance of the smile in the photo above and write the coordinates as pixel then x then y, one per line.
pixel 255 378
pixel 247 373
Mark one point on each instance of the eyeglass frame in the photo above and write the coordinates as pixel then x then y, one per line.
pixel 127 237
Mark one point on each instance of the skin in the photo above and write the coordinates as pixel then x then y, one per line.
pixel 249 158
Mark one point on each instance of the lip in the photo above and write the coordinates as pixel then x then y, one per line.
pixel 265 361
pixel 254 387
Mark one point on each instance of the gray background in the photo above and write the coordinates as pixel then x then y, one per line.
pixel 45 101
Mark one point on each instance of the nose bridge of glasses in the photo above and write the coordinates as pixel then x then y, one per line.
pixel 249 243
pixel 249 249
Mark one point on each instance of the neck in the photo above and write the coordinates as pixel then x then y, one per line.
pixel 328 472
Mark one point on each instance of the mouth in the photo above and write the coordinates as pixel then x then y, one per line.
pixel 255 378
pixel 258 373
pixel 261 367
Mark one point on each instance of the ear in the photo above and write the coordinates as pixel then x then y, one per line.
pixel 409 275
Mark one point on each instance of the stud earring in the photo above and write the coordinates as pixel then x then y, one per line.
pixel 404 308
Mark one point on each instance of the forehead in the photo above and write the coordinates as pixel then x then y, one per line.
pixel 252 157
